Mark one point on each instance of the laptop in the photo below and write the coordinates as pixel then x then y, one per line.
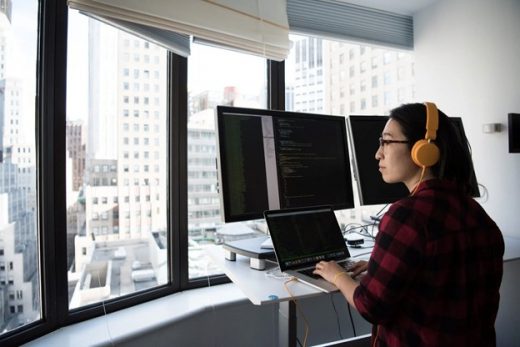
pixel 304 236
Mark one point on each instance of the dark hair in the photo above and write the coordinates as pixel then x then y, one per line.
pixel 455 161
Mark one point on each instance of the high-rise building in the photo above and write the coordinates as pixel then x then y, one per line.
pixel 367 80
pixel 76 152
pixel 307 91
pixel 128 113
pixel 118 214
pixel 340 78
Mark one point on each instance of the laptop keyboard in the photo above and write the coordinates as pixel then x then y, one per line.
pixel 346 264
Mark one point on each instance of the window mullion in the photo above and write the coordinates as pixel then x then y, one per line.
pixel 276 85
pixel 178 180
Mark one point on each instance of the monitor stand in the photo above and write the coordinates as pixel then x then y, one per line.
pixel 251 248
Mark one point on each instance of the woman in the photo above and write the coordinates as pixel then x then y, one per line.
pixel 434 275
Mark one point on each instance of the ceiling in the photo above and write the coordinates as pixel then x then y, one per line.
pixel 406 7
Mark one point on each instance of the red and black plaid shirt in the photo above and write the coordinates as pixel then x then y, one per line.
pixel 434 275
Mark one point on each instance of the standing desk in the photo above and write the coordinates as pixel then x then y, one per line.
pixel 261 289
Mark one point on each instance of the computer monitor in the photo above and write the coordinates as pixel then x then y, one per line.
pixel 513 122
pixel 364 133
pixel 276 159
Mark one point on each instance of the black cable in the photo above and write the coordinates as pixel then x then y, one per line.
pixel 381 210
pixel 361 254
pixel 364 231
pixel 351 320
pixel 298 340
pixel 337 316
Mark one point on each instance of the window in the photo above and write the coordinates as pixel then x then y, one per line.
pixel 374 101
pixel 131 92
pixel 241 81
pixel 18 173
pixel 363 85
pixel 102 146
pixel 374 81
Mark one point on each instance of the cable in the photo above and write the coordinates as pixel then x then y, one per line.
pixel 105 312
pixel 351 319
pixel 276 273
pixel 362 232
pixel 420 180
pixel 337 316
pixel 361 254
pixel 376 220
pixel 107 325
pixel 381 210
pixel 213 311
pixel 293 299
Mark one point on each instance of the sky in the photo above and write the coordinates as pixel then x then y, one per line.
pixel 206 70
pixel 21 59
pixel 77 67
pixel 24 22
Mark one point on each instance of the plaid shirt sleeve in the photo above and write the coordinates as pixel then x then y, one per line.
pixel 393 265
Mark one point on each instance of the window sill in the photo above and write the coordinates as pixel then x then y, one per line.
pixel 125 324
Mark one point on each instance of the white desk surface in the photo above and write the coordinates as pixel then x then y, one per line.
pixel 257 285
pixel 512 248
pixel 262 289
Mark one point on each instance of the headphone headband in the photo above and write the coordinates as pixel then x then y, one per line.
pixel 424 152
pixel 432 121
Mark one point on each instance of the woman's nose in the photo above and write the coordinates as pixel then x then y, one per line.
pixel 379 153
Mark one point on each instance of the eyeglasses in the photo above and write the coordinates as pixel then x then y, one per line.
pixel 383 142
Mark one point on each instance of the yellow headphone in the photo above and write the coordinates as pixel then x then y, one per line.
pixel 425 153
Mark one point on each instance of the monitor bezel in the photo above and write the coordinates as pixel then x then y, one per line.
pixel 221 169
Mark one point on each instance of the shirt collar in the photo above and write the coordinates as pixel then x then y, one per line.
pixel 437 184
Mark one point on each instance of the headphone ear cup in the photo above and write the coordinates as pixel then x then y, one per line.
pixel 425 153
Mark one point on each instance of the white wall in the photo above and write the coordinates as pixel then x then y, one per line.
pixel 468 62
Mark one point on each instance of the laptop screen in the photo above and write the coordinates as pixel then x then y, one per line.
pixel 302 237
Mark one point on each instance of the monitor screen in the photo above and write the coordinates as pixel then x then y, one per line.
pixel 364 134
pixel 271 160
pixel 513 120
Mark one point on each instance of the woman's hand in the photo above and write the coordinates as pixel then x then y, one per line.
pixel 328 270
pixel 358 267
pixel 338 276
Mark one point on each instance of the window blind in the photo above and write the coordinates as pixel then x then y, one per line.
pixel 255 26
pixel 339 20
pixel 177 43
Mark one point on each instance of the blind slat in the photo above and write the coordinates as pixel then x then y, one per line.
pixel 177 43
pixel 337 19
